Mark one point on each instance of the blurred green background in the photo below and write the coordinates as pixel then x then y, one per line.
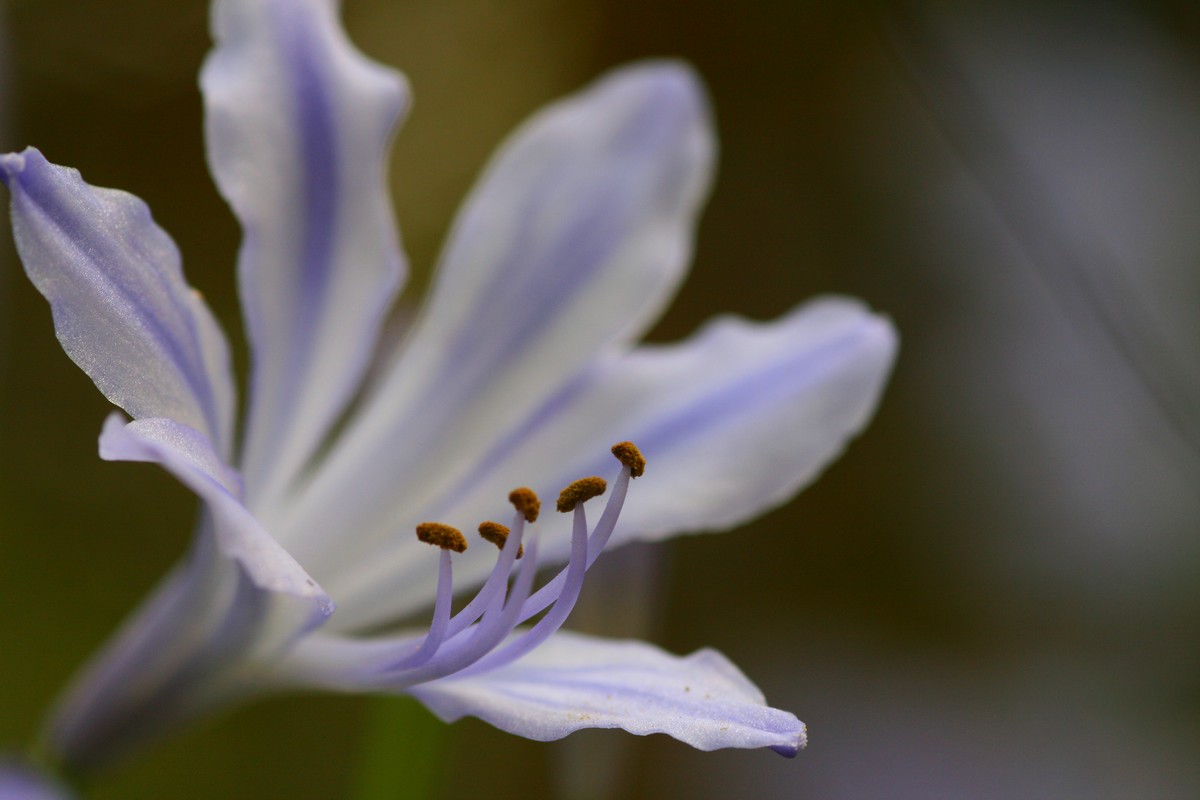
pixel 994 592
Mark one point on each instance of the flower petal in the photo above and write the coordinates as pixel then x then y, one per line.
pixel 122 308
pixel 189 456
pixel 732 423
pixel 298 125
pixel 574 681
pixel 238 597
pixel 156 671
pixel 577 234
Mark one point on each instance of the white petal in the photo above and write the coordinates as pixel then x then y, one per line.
pixel 187 454
pixel 122 308
pixel 298 123
pixel 732 423
pixel 237 598
pixel 575 238
pixel 574 681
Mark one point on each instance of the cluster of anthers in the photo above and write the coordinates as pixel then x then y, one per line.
pixel 482 635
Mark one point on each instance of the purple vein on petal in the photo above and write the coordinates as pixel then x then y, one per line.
pixel 315 113
pixel 93 224
pixel 775 380
pixel 587 244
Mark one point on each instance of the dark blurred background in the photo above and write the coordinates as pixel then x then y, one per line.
pixel 993 594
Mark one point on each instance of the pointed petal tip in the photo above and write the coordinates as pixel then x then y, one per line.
pixel 880 336
pixel 664 82
pixel 669 74
pixel 873 329
pixel 574 681
pixel 883 328
pixel 793 748
pixel 11 165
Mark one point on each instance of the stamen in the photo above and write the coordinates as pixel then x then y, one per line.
pixel 556 616
pixel 497 534
pixel 499 619
pixel 580 491
pixel 443 536
pixel 496 582
pixel 629 455
pixel 481 636
pixel 441 619
pixel 546 595
pixel 526 501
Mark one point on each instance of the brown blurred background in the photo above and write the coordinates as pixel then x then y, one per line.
pixel 993 594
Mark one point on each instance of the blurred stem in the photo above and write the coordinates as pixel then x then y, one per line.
pixel 402 751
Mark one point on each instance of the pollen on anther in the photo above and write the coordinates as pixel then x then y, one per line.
pixel 497 534
pixel 629 455
pixel 580 491
pixel 443 536
pixel 526 501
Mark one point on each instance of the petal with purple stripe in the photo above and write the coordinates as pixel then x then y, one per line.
pixel 577 234
pixel 237 597
pixel 732 423
pixel 122 308
pixel 574 681
pixel 298 126
pixel 188 455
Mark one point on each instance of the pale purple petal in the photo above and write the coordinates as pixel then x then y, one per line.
pixel 122 308
pixel 155 672
pixel 187 454
pixel 237 597
pixel 574 681
pixel 298 125
pixel 196 646
pixel 733 422
pixel 574 239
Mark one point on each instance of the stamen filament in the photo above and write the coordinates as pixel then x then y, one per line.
pixel 554 619
pixel 495 583
pixel 473 641
pixel 441 619
pixel 546 595
pixel 497 623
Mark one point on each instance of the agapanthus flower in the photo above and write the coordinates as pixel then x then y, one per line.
pixel 515 380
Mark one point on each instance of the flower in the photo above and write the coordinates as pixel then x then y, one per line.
pixel 520 370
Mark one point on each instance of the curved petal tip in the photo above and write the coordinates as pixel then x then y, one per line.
pixel 13 164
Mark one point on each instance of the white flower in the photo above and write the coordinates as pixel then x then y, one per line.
pixel 520 370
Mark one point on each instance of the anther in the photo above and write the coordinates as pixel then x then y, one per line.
pixel 629 455
pixel 443 536
pixel 580 491
pixel 525 501
pixel 497 534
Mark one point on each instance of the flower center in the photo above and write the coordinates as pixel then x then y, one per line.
pixel 483 635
